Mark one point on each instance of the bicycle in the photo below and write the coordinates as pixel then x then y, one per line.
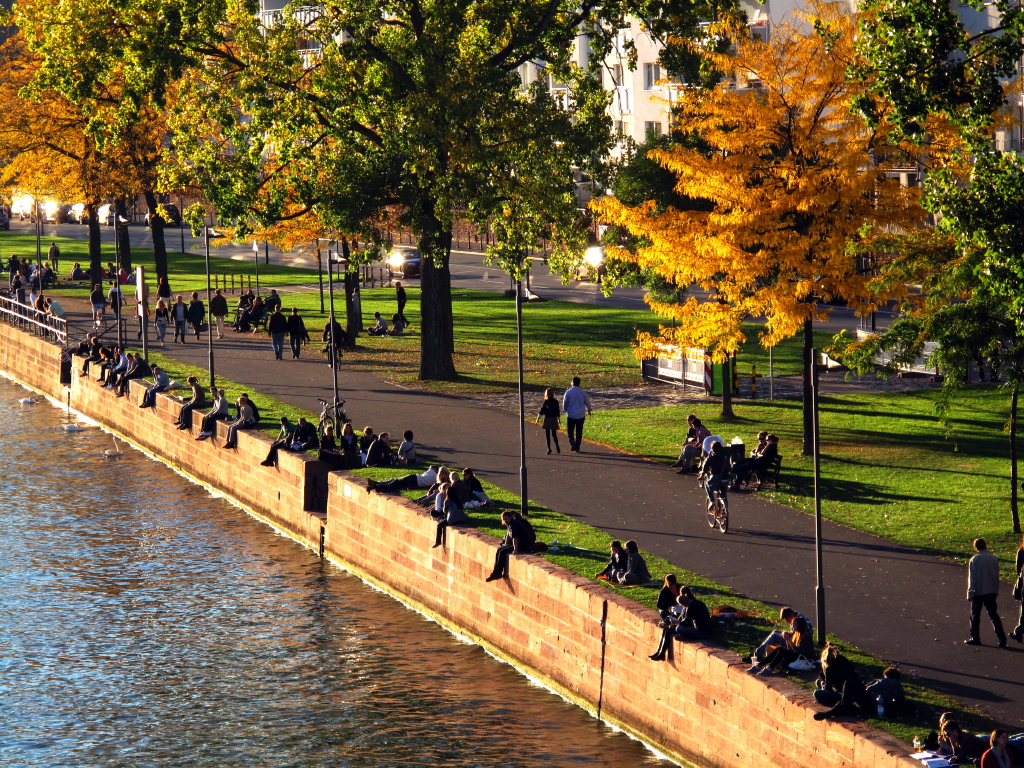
pixel 332 415
pixel 718 509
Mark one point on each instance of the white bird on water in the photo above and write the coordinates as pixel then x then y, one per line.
pixel 115 451
pixel 74 428
pixel 28 401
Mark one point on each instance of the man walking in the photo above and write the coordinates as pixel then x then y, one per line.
pixel 402 299
pixel 219 309
pixel 576 404
pixel 277 326
pixel 982 590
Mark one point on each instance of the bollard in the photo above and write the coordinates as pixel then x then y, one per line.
pixel 753 381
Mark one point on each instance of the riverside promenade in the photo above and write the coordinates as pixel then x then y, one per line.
pixel 895 602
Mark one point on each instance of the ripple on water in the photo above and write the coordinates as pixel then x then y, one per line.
pixel 144 622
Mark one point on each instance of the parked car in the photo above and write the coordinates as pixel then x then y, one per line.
pixel 404 263
pixel 171 214
pixel 62 214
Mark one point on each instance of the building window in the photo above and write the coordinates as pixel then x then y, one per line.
pixel 620 129
pixel 652 74
pixel 611 75
pixel 652 127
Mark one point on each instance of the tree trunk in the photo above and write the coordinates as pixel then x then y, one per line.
pixel 353 323
pixel 1014 512
pixel 95 246
pixel 727 412
pixel 156 227
pixel 808 447
pixel 437 330
pixel 121 234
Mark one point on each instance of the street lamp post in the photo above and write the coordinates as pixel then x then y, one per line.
pixel 523 503
pixel 118 298
pixel 209 325
pixel 819 591
pixel 334 346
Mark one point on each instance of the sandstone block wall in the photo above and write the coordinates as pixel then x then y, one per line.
pixel 584 641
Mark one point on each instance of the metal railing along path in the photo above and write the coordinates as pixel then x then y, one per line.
pixel 28 318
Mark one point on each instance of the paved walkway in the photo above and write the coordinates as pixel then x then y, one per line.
pixel 895 602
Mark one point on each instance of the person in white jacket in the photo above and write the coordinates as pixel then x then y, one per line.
pixel 982 590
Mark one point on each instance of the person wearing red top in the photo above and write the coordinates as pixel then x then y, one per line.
pixel 998 755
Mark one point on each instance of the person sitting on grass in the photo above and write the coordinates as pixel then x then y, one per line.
pixel 619 562
pixel 796 642
pixel 407 449
pixel 247 417
pixel 691 620
pixel 184 420
pixel 397 326
pixel 305 437
pixel 998 755
pixel 890 689
pixel 443 476
pixel 479 497
pixel 348 444
pixel 365 442
pixel 380 453
pixel 77 273
pixel 285 437
pixel 636 568
pixel 160 382
pixel 964 748
pixel 459 490
pixel 452 513
pixel 380 326
pixel 667 597
pixel 329 452
pixel 519 540
pixel 406 483
pixel 758 461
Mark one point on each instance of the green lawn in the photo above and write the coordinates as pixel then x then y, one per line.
pixel 886 467
pixel 588 555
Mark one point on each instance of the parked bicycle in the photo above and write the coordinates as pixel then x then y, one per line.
pixel 332 415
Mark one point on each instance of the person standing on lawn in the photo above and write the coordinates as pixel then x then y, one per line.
pixel 982 590
pixel 53 255
pixel 576 404
pixel 219 310
pixel 402 299
pixel 277 326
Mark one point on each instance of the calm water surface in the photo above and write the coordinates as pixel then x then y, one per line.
pixel 145 623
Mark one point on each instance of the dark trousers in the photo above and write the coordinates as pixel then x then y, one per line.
pixel 401 312
pixel 550 434
pixel 180 329
pixel 274 448
pixel 989 602
pixel 855 701
pixel 185 415
pixel 574 427
pixel 407 483
pixel 210 421
pixel 296 343
pixel 780 656
pixel 149 399
pixel 122 386
pixel 501 561
pixel 442 528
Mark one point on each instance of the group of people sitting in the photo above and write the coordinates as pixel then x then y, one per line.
pixel 380 326
pixel 994 750
pixel 252 310
pixel 626 566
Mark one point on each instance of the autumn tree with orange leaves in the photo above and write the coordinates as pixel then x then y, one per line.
pixel 791 172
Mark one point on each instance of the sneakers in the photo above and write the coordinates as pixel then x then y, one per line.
pixel 972 641
pixel 755 669
pixel 765 671
pixel 204 435
pixel 266 463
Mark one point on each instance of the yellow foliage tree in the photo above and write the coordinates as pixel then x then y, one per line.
pixel 790 171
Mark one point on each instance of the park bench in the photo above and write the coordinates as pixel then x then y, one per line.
pixel 769 474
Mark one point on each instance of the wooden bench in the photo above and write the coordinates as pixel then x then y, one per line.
pixel 768 474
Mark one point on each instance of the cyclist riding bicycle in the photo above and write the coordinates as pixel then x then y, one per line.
pixel 715 473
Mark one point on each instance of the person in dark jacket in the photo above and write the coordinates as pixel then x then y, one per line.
pixel 277 326
pixel 348 444
pixel 759 460
pixel 552 416
pixel 329 449
pixel 836 669
pixel 619 562
pixel 163 291
pixel 336 343
pixel 380 453
pixel 890 690
pixel 296 332
pixel 305 436
pixel 636 567
pixel 136 370
pixel 98 300
pixel 691 620
pixel 196 313
pixel 285 437
pixel 519 539
pixel 401 297
pixel 668 597
pixel 452 513
pixel 459 490
pixel 1018 594
pixel 965 748
pixel 198 400
pixel 219 310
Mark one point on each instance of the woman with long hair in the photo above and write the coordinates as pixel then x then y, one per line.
pixel 552 416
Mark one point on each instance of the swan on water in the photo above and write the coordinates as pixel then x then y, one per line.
pixel 74 428
pixel 115 451
pixel 28 401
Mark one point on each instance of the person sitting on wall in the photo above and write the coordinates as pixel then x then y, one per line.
pixel 690 620
pixel 407 449
pixel 184 420
pixel 443 476
pixel 380 453
pixel 758 461
pixel 775 638
pixel 285 437
pixel 118 365
pixel 406 483
pixel 380 326
pixel 329 452
pixel 636 567
pixel 476 488
pixel 619 562
pixel 668 596
pixel 796 642
pixel 836 669
pixel 247 418
pixel 219 412
pixel 160 382
pixel 86 345
pixel 452 513
pixel 136 370
pixel 519 540
pixel 305 438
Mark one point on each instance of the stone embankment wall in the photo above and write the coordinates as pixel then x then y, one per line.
pixel 585 642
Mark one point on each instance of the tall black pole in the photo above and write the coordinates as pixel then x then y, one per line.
pixel 320 274
pixel 209 295
pixel 181 221
pixel 819 591
pixel 256 261
pixel 118 299
pixel 334 346
pixel 523 503
pixel 266 251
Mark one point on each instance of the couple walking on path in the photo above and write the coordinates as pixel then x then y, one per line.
pixel 576 404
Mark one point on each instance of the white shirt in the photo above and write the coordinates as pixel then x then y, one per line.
pixel 576 403
pixel 427 479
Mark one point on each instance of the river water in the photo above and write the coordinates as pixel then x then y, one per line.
pixel 144 622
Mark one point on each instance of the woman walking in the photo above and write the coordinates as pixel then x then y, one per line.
pixel 162 317
pixel 552 416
